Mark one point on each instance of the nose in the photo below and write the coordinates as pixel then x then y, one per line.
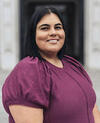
pixel 52 32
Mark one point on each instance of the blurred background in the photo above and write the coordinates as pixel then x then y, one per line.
pixel 82 18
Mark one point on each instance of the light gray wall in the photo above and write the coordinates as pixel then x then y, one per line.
pixel 9 33
pixel 92 33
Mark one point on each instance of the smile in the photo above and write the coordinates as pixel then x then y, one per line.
pixel 53 40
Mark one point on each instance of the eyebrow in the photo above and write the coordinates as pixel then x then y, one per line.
pixel 44 25
pixel 58 24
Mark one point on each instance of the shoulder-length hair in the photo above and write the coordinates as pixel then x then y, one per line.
pixel 31 48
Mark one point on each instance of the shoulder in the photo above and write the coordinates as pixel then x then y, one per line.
pixel 77 66
pixel 28 64
pixel 25 73
pixel 28 61
pixel 72 61
pixel 25 68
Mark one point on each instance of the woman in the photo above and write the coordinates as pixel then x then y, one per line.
pixel 48 86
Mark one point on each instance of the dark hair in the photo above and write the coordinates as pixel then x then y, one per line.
pixel 31 48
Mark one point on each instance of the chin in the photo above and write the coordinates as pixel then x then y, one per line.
pixel 53 50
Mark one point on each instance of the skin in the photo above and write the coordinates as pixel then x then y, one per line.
pixel 96 114
pixel 25 114
pixel 52 30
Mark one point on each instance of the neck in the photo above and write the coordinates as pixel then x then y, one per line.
pixel 50 57
pixel 53 59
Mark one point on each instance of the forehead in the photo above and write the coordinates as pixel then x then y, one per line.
pixel 49 19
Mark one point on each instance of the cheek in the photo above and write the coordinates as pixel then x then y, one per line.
pixel 62 35
pixel 41 39
pixel 41 36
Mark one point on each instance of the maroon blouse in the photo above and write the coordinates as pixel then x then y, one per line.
pixel 65 94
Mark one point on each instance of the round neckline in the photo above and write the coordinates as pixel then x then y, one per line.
pixel 54 66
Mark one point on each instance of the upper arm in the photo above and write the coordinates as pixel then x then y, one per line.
pixel 96 114
pixel 25 114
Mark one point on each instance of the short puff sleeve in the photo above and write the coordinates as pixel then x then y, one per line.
pixel 27 84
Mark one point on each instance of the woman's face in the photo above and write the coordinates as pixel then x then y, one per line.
pixel 50 34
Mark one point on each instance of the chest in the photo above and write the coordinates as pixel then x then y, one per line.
pixel 72 96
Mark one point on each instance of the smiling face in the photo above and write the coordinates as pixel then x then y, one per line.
pixel 50 35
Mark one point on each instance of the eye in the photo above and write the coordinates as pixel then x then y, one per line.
pixel 58 27
pixel 44 28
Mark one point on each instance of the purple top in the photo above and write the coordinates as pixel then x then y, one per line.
pixel 65 94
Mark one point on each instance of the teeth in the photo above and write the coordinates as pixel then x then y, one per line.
pixel 53 41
